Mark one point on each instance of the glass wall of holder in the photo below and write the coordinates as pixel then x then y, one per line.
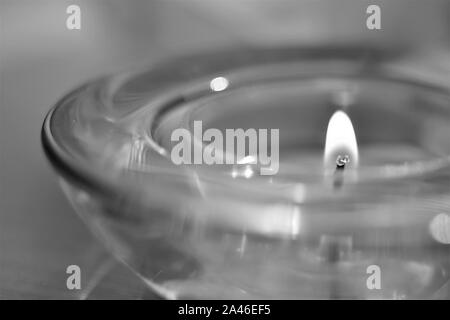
pixel 225 231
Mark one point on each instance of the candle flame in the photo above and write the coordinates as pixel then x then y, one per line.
pixel 340 141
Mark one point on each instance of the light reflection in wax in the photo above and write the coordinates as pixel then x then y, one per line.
pixel 440 228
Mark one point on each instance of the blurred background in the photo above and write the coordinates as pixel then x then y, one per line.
pixel 41 60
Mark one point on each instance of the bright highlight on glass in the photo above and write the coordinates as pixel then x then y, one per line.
pixel 219 84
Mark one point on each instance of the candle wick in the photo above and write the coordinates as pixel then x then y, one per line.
pixel 341 162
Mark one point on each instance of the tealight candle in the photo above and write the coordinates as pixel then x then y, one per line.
pixel 360 186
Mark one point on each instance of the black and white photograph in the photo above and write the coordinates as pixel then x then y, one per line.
pixel 245 152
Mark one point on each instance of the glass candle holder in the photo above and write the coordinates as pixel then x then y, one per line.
pixel 226 231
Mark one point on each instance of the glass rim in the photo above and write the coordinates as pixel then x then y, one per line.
pixel 82 174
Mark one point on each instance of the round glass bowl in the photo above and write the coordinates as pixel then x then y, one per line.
pixel 226 231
